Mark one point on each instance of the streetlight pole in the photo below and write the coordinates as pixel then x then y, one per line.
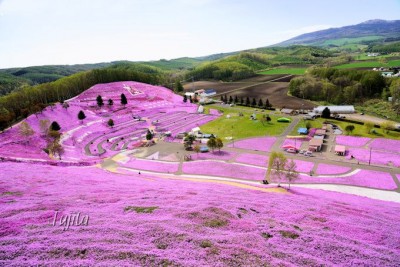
pixel 370 152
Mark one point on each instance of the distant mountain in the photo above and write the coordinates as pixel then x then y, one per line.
pixel 376 29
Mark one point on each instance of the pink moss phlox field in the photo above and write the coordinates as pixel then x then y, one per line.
pixel 92 137
pixel 352 140
pixel 151 165
pixel 331 169
pixel 386 145
pixel 252 159
pixel 366 178
pixel 303 166
pixel 224 169
pixel 193 224
pixel 259 143
pixel 219 155
pixel 378 157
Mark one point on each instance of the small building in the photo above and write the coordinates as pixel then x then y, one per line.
pixel 200 109
pixel 208 93
pixel 320 132
pixel 302 131
pixel 315 144
pixel 336 109
pixel 288 111
pixel 189 94
pixel 340 150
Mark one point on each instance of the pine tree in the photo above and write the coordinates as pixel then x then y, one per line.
pixel 81 115
pixel 241 101
pixel 247 101
pixel 260 103
pixel 178 87
pixel 149 135
pixel 124 101
pixel 254 103
pixel 230 99
pixel 55 126
pixel 99 101
pixel 267 104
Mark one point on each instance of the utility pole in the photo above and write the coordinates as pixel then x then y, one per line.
pixel 370 152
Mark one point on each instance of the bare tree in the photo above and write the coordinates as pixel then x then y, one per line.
pixel 44 127
pixel 291 173
pixel 26 130
pixel 276 166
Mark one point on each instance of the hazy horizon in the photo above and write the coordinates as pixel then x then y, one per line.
pixel 71 32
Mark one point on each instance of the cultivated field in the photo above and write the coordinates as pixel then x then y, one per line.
pixel 257 87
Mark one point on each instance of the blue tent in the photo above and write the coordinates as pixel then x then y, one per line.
pixel 302 131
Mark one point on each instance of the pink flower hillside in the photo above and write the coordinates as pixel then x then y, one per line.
pixel 152 165
pixel 143 220
pixel 258 143
pixel 386 145
pixel 216 168
pixel 331 169
pixel 371 179
pixel 252 159
pixel 352 140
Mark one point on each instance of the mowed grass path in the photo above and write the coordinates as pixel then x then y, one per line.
pixel 242 126
pixel 369 64
pixel 293 71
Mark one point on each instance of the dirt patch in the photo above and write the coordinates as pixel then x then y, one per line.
pixel 265 78
pixel 276 92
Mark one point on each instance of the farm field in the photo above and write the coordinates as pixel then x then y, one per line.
pixel 294 71
pixel 369 64
pixel 276 92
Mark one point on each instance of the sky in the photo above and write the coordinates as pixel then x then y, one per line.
pixel 49 32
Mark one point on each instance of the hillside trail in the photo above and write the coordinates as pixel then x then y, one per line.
pixel 251 85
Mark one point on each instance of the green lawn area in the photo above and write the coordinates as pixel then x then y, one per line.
pixel 369 64
pixel 379 108
pixel 242 127
pixel 346 41
pixel 359 130
pixel 302 124
pixel 294 71
pixel 364 56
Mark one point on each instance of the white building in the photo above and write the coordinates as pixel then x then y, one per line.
pixel 336 109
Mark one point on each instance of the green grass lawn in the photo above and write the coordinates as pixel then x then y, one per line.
pixel 294 71
pixel 242 127
pixel 369 64
pixel 302 124
pixel 359 130
pixel 379 108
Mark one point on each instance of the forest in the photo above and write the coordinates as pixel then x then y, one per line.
pixel 339 86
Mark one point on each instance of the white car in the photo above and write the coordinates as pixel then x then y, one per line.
pixel 308 154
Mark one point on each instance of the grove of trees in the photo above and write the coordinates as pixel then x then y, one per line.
pixel 338 86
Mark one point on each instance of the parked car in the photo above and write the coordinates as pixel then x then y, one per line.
pixel 291 150
pixel 308 154
pixel 302 151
